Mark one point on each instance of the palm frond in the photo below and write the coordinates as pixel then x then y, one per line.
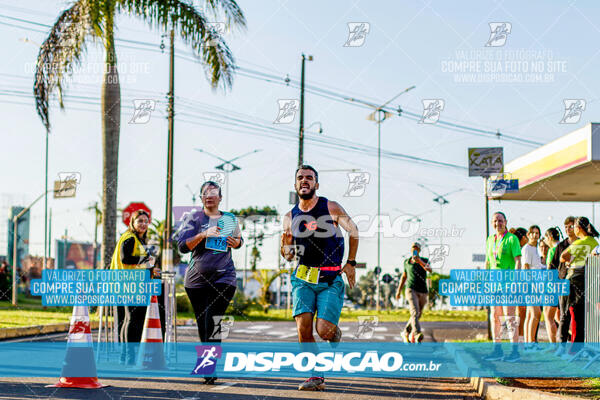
pixel 231 11
pixel 192 26
pixel 60 52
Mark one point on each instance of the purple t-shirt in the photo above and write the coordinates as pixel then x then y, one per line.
pixel 206 267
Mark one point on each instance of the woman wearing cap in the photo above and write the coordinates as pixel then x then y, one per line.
pixel 210 280
pixel 574 256
pixel 130 253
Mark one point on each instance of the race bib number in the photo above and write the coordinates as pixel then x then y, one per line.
pixel 216 243
pixel 308 274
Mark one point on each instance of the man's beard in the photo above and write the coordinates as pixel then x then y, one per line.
pixel 307 196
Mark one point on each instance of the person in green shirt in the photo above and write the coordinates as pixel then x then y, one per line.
pixel 503 252
pixel 574 256
pixel 415 278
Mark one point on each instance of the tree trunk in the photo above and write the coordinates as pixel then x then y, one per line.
pixel 111 121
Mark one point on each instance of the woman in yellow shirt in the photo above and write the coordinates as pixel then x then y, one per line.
pixel 131 253
pixel 574 256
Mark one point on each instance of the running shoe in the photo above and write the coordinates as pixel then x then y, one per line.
pixel 496 355
pixel 405 337
pixel 418 338
pixel 513 357
pixel 210 380
pixel 312 384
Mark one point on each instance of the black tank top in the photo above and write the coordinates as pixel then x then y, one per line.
pixel 320 238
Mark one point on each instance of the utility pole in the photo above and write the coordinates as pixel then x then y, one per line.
pixel 379 115
pixel 46 207
pixel 301 130
pixel 171 119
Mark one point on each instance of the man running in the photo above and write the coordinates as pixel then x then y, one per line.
pixel 415 271
pixel 312 236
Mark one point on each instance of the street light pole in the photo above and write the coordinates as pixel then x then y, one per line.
pixel 227 166
pixel 379 115
pixel 15 221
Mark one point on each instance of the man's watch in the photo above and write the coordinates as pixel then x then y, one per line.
pixel 351 262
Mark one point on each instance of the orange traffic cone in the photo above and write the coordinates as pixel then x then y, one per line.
pixel 79 367
pixel 151 355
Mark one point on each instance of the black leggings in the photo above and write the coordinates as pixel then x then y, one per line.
pixel 131 322
pixel 207 302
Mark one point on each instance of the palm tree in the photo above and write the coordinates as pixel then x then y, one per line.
pixel 89 20
pixel 265 278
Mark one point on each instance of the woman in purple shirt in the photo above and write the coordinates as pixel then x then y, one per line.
pixel 210 280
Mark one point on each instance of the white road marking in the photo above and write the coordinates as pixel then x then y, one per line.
pixel 224 385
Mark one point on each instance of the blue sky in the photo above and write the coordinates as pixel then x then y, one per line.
pixel 409 43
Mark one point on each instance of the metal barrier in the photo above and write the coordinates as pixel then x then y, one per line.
pixel 592 301
pixel 592 309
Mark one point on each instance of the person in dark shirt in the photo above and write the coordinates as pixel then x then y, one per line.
pixel 555 263
pixel 415 278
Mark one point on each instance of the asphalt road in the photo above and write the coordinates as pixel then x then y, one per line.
pixel 266 387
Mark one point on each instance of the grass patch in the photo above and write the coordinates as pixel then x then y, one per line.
pixel 31 312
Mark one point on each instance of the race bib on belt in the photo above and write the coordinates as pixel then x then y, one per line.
pixel 308 274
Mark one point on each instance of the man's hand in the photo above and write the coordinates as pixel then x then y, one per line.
pixel 350 274
pixel 234 242
pixel 398 293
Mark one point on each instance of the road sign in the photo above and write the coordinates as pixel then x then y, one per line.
pixel 361 265
pixel 377 271
pixel 64 189
pixel 485 161
pixel 127 211
pixel 498 187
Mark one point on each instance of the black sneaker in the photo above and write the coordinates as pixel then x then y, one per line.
pixel 210 380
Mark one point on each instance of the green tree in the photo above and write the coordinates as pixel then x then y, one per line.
pixel 434 288
pixel 256 218
pixel 94 20
pixel 265 277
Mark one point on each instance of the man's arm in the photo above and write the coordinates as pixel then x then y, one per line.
pixel 343 219
pixel 402 282
pixel 340 216
pixel 286 249
pixel 425 265
pixel 518 262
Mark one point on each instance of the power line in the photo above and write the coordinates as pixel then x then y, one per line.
pixel 319 91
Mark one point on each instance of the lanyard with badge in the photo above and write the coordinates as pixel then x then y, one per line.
pixel 498 247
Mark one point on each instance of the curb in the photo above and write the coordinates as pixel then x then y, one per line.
pixel 490 390
pixel 10 333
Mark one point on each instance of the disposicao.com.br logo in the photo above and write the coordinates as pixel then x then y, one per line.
pixel 370 361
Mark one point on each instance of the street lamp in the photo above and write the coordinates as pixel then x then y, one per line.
pixel 442 201
pixel 301 130
pixel 228 166
pixel 379 115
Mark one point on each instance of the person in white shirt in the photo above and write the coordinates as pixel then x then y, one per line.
pixel 532 260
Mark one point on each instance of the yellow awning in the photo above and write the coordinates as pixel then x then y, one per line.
pixel 566 169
